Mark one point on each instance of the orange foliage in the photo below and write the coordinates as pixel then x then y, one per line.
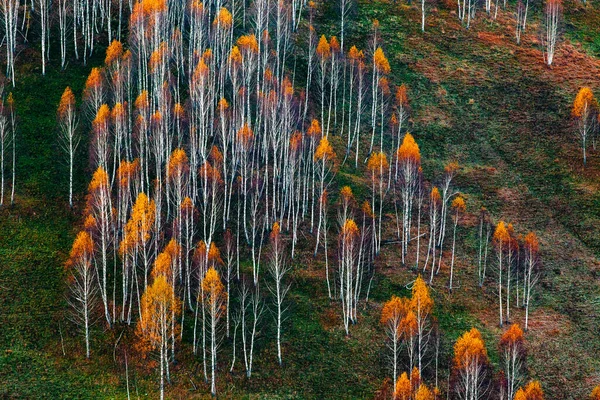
pixel 349 230
pixel 346 193
pixel 324 150
pixel 458 204
pixel 423 393
pixel 334 44
pixel 401 95
pixel 501 235
pixel 381 62
pixel 224 18
pixel 315 129
pixel 595 395
pixel 102 116
pixel 94 79
pixel 113 52
pixel 531 243
pixel 214 255
pixel 67 102
pixel 178 164
pixel 99 181
pixel 469 350
pixel 421 300
pixel 513 336
pixel 248 43
pixel 235 57
pixel 83 247
pixel 409 150
pixel 158 305
pixel 323 48
pixel 245 135
pixel 534 391
pixel 403 390
pixel 355 55
pixel 584 102
pixel 377 163
pixel 275 231
pixel 435 197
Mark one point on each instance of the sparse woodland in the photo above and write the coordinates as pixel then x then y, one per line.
pixel 244 158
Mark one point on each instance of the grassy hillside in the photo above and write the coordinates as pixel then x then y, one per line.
pixel 477 98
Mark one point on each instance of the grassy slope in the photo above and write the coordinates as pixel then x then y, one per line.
pixel 477 99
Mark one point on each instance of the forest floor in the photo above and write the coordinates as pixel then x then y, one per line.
pixel 477 98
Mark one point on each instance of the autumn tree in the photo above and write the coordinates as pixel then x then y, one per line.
pixel 435 211
pixel 83 284
pixel 450 171
pixel 533 391
pixel 67 122
pixel 215 300
pixel 393 317
pixel 458 208
pixel 381 68
pixel 325 157
pixel 584 111
pixel 402 388
pixel 348 273
pixel 278 268
pixel 324 53
pixel 159 306
pixel 422 306
pixel 377 168
pixel 512 350
pixel 408 162
pixel 595 394
pixel 99 207
pixel 501 242
pixel 469 365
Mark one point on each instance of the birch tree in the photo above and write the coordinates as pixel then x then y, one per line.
pixel 278 268
pixel 584 111
pixel 83 288
pixel 532 271
pixel 552 15
pixel 215 300
pixel 159 306
pixel 69 139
